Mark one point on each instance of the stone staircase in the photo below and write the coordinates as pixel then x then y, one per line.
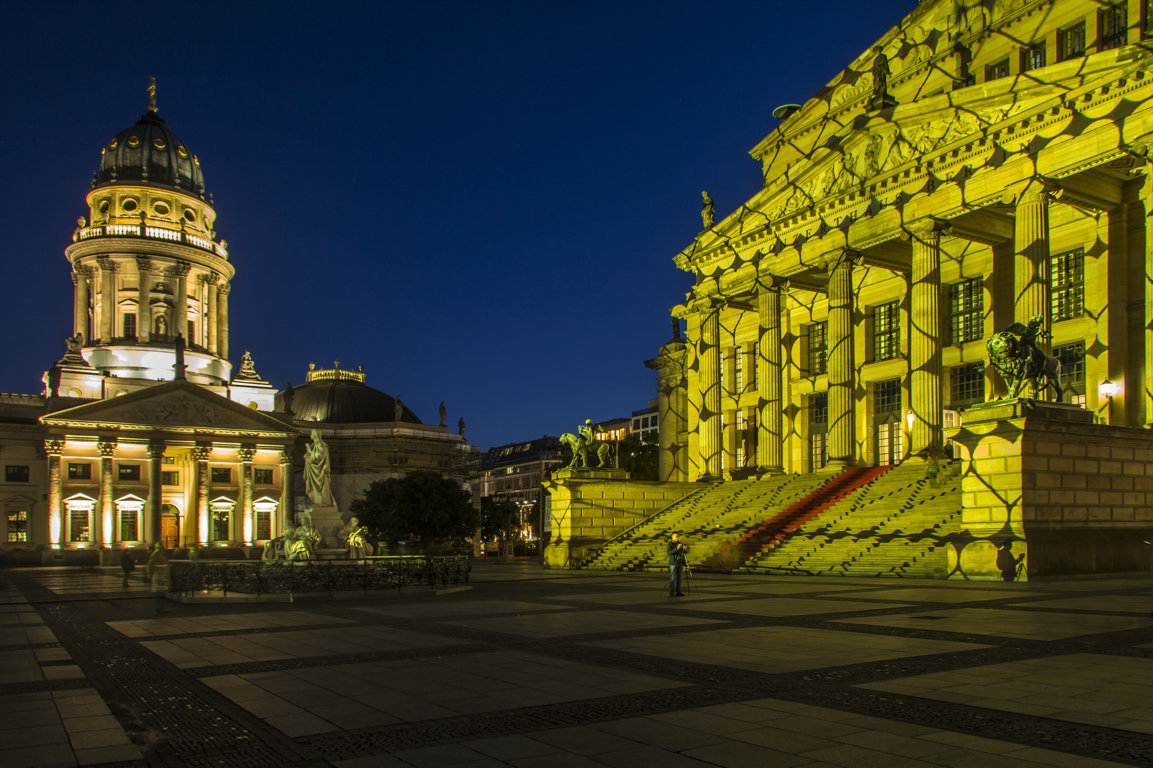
pixel 709 521
pixel 894 526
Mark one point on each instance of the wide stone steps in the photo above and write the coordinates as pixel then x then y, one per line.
pixel 706 520
pixel 896 526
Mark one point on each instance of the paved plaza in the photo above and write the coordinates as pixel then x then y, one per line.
pixel 554 669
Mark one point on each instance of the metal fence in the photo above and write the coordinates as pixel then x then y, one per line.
pixel 372 573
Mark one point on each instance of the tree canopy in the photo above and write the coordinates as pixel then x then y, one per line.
pixel 421 505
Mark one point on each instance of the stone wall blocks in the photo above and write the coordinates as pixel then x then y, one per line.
pixel 1088 498
pixel 1097 451
pixel 1112 498
pixel 1124 513
pixel 1071 449
pixel 1045 480
pixel 1075 481
pixel 1036 464
pixel 1060 464
pixel 1110 467
pixel 1049 513
pixel 1133 468
pixel 1121 452
pixel 1076 513
pixel 1086 466
pixel 1099 514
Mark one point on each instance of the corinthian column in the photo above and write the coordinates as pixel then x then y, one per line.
pixel 841 437
pixel 143 299
pixel 80 277
pixel 770 436
pixel 247 454
pixel 709 357
pixel 1031 241
pixel 200 454
pixel 180 271
pixel 284 510
pixel 1147 202
pixel 155 491
pixel 107 304
pixel 212 330
pixel 54 449
pixel 222 319
pixel 925 337
pixel 102 528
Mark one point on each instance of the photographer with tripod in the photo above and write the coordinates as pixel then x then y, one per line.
pixel 677 564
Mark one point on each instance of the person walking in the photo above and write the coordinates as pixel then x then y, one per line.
pixel 128 565
pixel 676 551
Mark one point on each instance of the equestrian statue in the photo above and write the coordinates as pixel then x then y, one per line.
pixel 1019 361
pixel 585 446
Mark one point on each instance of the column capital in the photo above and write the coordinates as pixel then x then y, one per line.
pixel 1036 190
pixel 928 229
pixel 83 270
pixel 106 447
pixel 53 447
pixel 143 265
pixel 841 257
pixel 286 457
pixel 247 453
pixel 202 451
pixel 224 288
pixel 156 449
pixel 180 268
pixel 773 283
pixel 107 264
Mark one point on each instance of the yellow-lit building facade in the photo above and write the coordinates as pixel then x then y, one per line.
pixel 983 163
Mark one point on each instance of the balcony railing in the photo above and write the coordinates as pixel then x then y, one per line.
pixel 153 233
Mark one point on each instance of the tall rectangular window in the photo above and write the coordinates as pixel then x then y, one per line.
pixel 16 473
pixel 967 311
pixel 129 472
pixel 78 524
pixel 997 70
pixel 886 331
pixel 190 335
pixel 79 471
pixel 221 516
pixel 818 349
pixel 222 474
pixel 1067 285
pixel 263 523
pixel 17 526
pixel 262 476
pixel 170 478
pixel 1112 26
pixel 129 525
pixel 1071 42
pixel 887 421
pixel 1032 57
pixel 130 325
pixel 818 431
pixel 739 369
pixel 1072 360
pixel 967 385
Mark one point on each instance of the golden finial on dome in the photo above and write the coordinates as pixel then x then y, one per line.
pixel 152 94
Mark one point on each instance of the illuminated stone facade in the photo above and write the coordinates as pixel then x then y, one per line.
pixel 983 163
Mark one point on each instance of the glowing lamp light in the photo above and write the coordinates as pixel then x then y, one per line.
pixel 910 418
pixel 1109 389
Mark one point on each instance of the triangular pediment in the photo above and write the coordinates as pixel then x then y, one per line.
pixel 177 406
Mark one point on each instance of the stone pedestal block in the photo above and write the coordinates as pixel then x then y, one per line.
pixel 589 507
pixel 1047 488
pixel 327 521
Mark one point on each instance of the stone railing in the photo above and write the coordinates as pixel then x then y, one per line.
pixel 372 573
pixel 154 233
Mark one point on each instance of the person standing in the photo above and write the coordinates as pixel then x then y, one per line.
pixel 676 551
pixel 127 565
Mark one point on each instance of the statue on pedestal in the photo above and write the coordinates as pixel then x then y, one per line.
pixel 1017 358
pixel 318 472
pixel 585 445
pixel 355 536
pixel 300 542
pixel 708 210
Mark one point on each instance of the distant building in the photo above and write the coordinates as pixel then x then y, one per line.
pixel 645 423
pixel 516 471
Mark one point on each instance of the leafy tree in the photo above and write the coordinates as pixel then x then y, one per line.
pixel 498 517
pixel 639 458
pixel 422 505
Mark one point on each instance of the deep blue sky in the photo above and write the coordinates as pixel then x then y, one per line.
pixel 477 201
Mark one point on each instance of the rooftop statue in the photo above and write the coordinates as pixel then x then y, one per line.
pixel 585 445
pixel 1017 358
pixel 318 472
pixel 708 210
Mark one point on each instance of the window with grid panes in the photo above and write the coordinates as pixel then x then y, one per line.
pixel 130 324
pixel 1112 25
pixel 17 526
pixel 818 429
pixel 997 70
pixel 79 471
pixel 1147 19
pixel 1072 360
pixel 967 384
pixel 886 331
pixel 1032 57
pixel 1071 42
pixel 967 305
pixel 818 349
pixel 16 473
pixel 262 477
pixel 1067 285
pixel 887 421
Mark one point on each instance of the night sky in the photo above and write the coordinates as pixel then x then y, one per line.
pixel 479 202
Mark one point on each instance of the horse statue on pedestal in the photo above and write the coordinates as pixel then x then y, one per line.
pixel 1016 357
pixel 585 445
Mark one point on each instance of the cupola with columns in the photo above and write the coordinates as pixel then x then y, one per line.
pixel 147 266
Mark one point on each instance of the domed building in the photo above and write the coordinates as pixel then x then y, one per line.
pixel 371 435
pixel 143 432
